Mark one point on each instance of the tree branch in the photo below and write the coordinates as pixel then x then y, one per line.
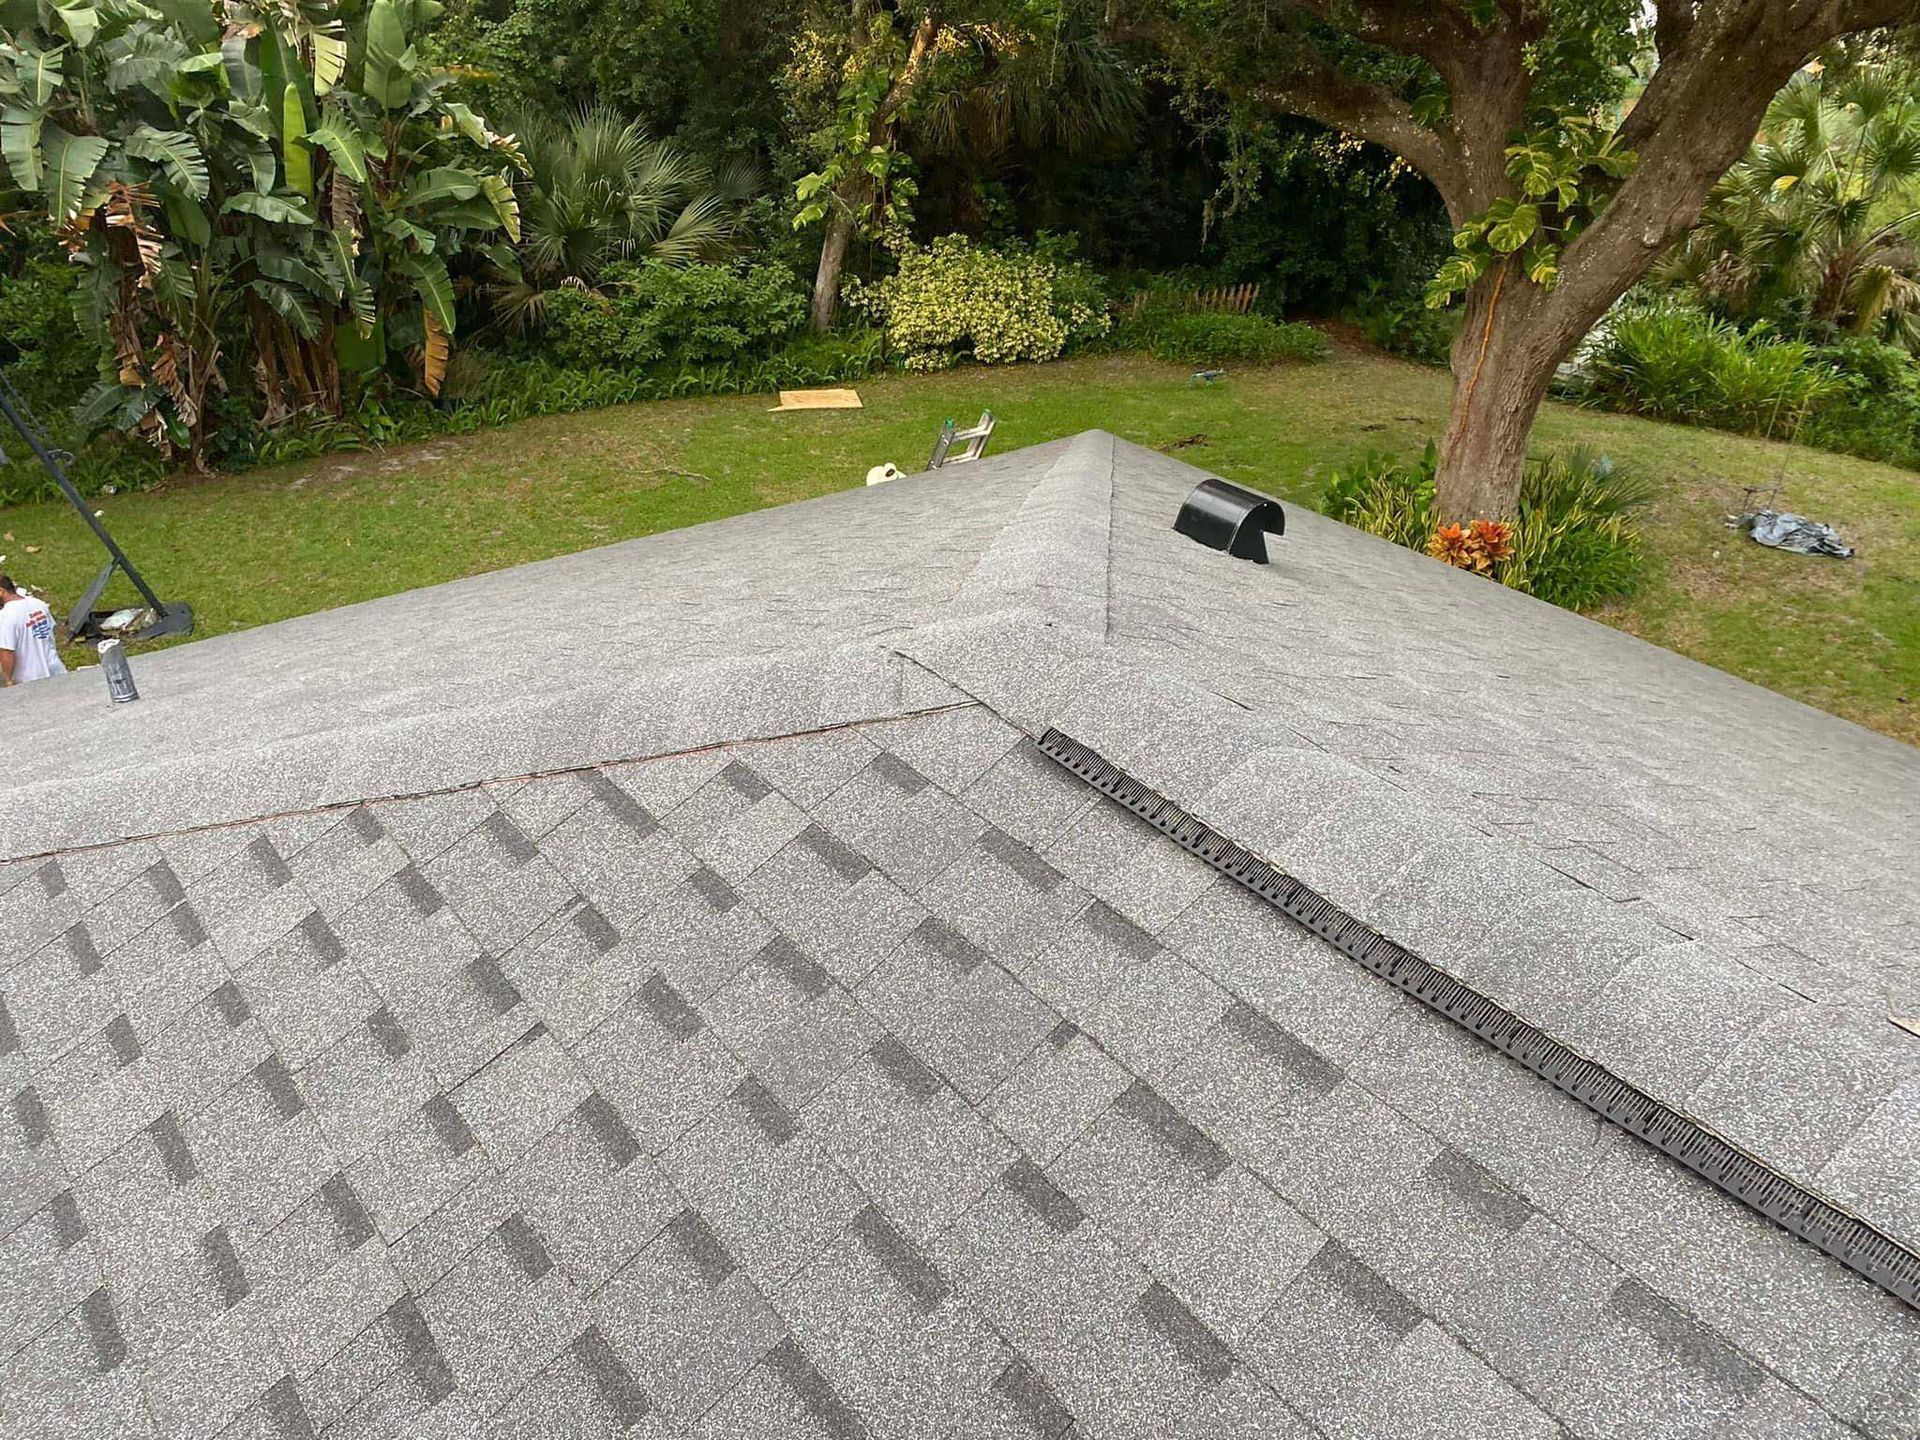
pixel 1672 23
pixel 1433 32
pixel 1322 92
pixel 924 35
pixel 1700 112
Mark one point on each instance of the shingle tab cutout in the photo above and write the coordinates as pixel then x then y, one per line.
pixel 1850 1240
pixel 703 1249
pixel 812 1390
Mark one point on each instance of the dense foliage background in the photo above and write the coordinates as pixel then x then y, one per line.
pixel 259 232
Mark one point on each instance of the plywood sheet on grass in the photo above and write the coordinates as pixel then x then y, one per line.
pixel 819 400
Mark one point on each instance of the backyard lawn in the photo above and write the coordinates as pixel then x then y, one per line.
pixel 261 546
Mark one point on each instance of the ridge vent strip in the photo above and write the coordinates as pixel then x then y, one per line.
pixel 1846 1237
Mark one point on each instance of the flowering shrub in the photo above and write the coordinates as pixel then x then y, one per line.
pixel 952 299
pixel 1479 545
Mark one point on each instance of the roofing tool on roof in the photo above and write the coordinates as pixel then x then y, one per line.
pixel 1224 516
pixel 973 442
pixel 1847 1238
pixel 85 622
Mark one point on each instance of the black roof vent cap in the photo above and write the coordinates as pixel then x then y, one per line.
pixel 1226 517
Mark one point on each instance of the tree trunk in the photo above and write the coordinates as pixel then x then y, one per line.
pixel 842 218
pixel 1503 361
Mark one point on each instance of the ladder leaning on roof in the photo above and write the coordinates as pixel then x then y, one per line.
pixel 975 442
pixel 84 622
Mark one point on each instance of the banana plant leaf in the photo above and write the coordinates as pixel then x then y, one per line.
pixel 387 74
pixel 273 208
pixel 71 161
pixel 429 276
pixel 294 154
pixel 336 135
pixel 177 153
pixel 440 184
pixel 20 144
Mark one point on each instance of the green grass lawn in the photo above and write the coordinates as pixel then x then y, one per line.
pixel 251 548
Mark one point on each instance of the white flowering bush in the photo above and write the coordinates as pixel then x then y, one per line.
pixel 952 298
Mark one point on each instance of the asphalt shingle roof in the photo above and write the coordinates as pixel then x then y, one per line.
pixel 665 992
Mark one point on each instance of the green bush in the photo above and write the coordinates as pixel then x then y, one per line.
pixel 51 360
pixel 110 465
pixel 1215 338
pixel 652 315
pixel 1386 497
pixel 499 391
pixel 954 299
pixel 1877 413
pixel 1406 325
pixel 1575 540
pixel 1678 364
pixel 1574 544
pixel 49 357
pixel 1171 322
pixel 1887 431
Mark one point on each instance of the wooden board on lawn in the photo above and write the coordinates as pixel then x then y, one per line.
pixel 819 400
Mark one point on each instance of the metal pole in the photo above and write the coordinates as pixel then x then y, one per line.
pixel 27 433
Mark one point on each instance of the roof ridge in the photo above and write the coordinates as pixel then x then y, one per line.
pixel 1052 556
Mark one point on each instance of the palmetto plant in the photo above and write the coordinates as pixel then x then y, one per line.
pixel 219 168
pixel 1823 211
pixel 1057 86
pixel 599 190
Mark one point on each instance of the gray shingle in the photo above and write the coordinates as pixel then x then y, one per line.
pixel 970 1019
pixel 813 1391
pixel 922 1159
pixel 763 1185
pixel 619 1392
pixel 1140 1103
pixel 1043 1197
pixel 904 1068
pixel 660 1084
pixel 792 1026
pixel 521 1095
pixel 103 1329
pixel 1034 1399
pixel 473 1113
pixel 1197 1346
pixel 686 1320
pixel 591 1213
pixel 908 1268
pixel 703 1249
pixel 1058 1091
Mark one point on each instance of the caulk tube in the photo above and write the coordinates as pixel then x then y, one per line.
pixel 113 660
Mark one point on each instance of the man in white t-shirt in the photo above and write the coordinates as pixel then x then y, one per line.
pixel 27 651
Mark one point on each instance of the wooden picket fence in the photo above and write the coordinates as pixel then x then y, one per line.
pixel 1221 300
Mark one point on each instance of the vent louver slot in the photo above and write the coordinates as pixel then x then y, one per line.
pixel 1846 1237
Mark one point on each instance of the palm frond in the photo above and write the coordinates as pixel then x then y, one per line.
pixel 601 189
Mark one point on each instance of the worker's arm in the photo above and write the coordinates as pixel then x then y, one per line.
pixel 6 667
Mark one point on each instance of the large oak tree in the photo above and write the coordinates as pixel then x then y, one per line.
pixel 1558 219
